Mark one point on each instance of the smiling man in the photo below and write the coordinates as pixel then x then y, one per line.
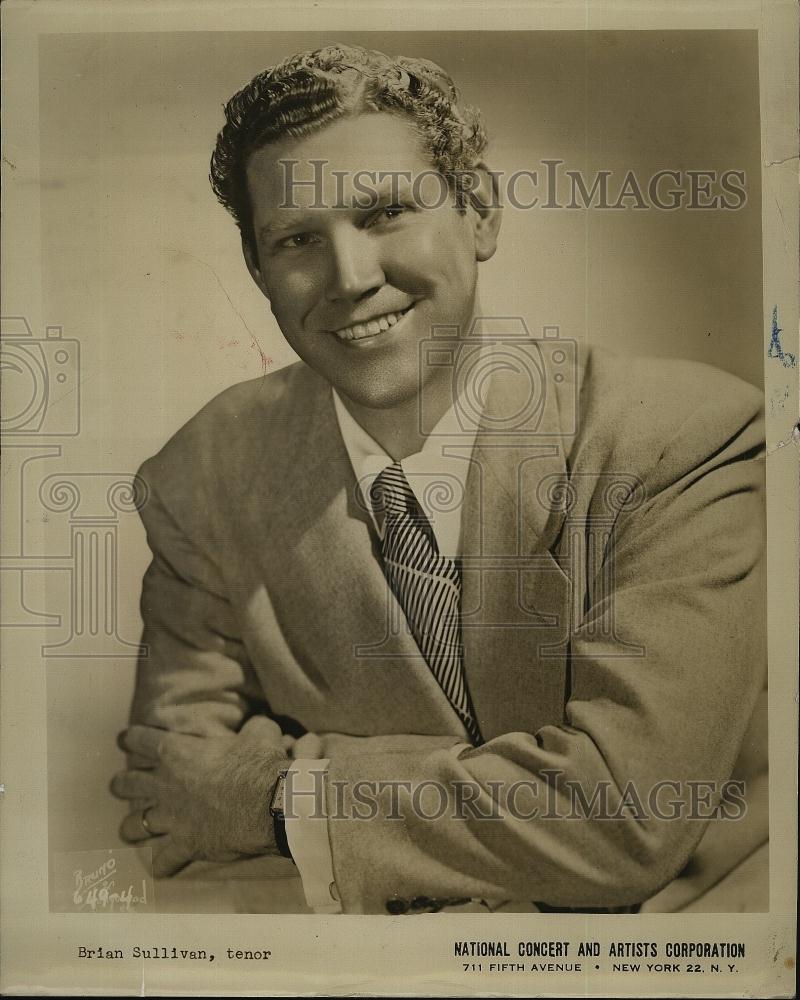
pixel 358 284
pixel 443 612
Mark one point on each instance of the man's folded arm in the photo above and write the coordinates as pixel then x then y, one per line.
pixel 195 682
pixel 688 589
pixel 195 676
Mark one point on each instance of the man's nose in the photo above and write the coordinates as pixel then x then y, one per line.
pixel 355 270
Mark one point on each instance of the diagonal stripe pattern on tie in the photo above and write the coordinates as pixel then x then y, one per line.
pixel 427 586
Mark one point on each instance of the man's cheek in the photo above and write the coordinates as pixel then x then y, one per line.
pixel 289 313
pixel 434 263
pixel 412 262
pixel 293 291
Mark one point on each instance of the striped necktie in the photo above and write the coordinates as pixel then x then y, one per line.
pixel 427 586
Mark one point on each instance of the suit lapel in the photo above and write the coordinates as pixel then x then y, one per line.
pixel 352 664
pixel 361 669
pixel 516 598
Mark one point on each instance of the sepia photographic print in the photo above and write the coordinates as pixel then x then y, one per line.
pixel 400 521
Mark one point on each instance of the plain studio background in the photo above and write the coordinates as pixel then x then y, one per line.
pixel 144 269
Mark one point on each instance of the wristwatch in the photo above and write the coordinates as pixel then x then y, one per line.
pixel 276 810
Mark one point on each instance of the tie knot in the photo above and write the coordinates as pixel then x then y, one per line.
pixel 390 492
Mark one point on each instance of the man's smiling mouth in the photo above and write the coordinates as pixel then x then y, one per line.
pixel 373 327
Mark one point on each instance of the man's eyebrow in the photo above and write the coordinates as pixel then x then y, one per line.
pixel 275 228
pixel 383 189
pixel 372 194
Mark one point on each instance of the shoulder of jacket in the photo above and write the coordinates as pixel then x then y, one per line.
pixel 656 395
pixel 224 432
pixel 637 413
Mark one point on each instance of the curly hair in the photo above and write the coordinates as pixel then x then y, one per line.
pixel 308 90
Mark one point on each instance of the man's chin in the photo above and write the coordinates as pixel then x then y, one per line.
pixel 376 396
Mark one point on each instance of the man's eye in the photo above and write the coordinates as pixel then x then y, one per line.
pixel 298 240
pixel 387 214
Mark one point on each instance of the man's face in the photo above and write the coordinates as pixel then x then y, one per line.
pixel 356 289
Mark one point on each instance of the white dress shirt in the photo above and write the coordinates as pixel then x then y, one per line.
pixel 437 476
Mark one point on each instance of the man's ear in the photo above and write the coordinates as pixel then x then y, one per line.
pixel 253 266
pixel 484 200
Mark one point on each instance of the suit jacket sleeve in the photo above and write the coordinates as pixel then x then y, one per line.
pixel 195 676
pixel 688 588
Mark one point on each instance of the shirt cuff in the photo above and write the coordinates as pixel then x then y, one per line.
pixel 307 832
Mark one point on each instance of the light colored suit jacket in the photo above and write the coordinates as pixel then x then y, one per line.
pixel 613 616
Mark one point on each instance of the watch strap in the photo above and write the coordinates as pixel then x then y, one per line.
pixel 281 840
pixel 278 818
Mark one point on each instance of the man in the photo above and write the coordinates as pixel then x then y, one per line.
pixel 496 603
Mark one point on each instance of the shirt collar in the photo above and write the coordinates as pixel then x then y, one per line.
pixel 437 474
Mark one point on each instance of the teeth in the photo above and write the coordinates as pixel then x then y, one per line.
pixel 371 328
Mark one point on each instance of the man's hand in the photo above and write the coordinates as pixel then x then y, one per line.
pixel 207 797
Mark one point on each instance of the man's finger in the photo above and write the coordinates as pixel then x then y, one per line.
pixel 133 785
pixel 169 858
pixel 139 805
pixel 309 746
pixel 263 730
pixel 133 830
pixel 136 760
pixel 145 741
